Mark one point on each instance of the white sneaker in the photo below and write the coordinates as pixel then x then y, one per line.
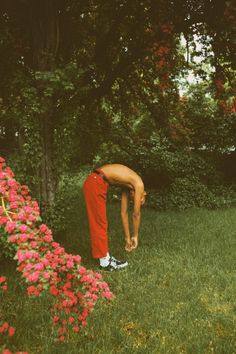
pixel 114 264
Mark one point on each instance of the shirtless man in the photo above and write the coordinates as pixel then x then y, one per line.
pixel 95 191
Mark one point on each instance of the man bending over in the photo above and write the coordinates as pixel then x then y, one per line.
pixel 95 191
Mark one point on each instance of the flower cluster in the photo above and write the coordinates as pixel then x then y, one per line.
pixel 6 328
pixel 162 54
pixel 3 283
pixel 225 94
pixel 43 263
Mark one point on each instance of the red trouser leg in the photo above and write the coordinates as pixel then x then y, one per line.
pixel 95 193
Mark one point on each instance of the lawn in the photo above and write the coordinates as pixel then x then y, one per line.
pixel 176 296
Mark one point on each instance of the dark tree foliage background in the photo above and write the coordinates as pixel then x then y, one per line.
pixel 90 82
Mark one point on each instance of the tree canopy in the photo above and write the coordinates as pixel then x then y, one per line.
pixel 71 69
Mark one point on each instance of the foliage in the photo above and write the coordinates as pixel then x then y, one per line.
pixel 153 154
pixel 210 128
pixel 69 60
pixel 185 193
pixel 59 218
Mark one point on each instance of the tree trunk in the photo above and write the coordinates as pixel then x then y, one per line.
pixel 44 17
pixel 48 180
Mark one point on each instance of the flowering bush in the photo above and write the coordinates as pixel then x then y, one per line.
pixel 43 263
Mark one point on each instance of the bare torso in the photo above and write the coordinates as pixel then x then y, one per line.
pixel 121 175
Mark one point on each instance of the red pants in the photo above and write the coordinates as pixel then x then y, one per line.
pixel 95 193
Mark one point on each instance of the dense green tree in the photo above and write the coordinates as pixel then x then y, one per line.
pixel 62 62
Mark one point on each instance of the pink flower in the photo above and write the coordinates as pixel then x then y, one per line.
pixel 43 228
pixel 2 190
pixel 55 244
pixel 47 238
pixel 24 190
pixel 46 275
pixel 33 277
pixel 59 250
pixel 14 205
pixel 77 259
pixel 11 182
pixel 70 264
pixel 3 175
pixel 53 290
pixel 12 238
pixel 33 244
pixel 2 279
pixel 5 326
pixel 23 228
pixel 32 218
pixel 64 303
pixel 39 266
pixel 11 331
pixel 107 295
pixel 10 226
pixel 31 290
pixel 62 329
pixel 28 209
pixel 76 328
pixel 98 275
pixel 45 262
pixel 6 351
pixel 23 237
pixel 9 172
pixel 3 220
pixel 82 270
pixel 29 266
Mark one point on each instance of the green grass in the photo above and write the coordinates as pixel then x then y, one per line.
pixel 176 296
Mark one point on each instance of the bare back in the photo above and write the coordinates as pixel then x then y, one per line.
pixel 123 176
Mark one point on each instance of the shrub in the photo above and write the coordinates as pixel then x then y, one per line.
pixel 186 193
pixel 158 160
pixel 60 216
pixel 44 264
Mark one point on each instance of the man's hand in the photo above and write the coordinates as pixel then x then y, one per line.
pixel 131 244
pixel 128 246
pixel 134 242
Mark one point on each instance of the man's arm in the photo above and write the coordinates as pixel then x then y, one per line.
pixel 137 214
pixel 125 219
